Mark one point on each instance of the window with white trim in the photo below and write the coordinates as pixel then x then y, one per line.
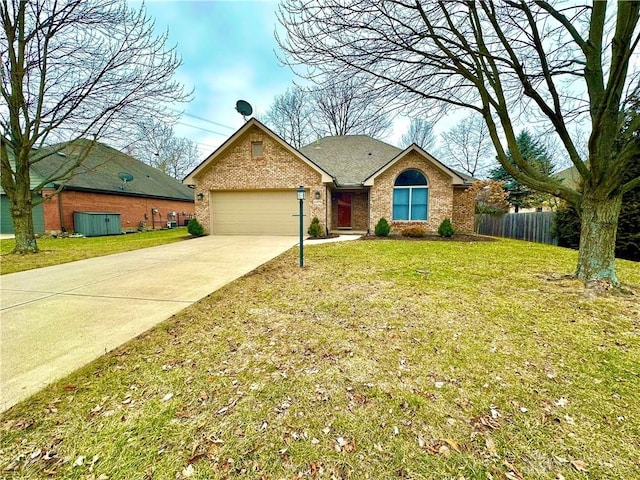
pixel 411 196
pixel 256 150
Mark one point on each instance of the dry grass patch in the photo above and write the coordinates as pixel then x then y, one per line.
pixel 377 360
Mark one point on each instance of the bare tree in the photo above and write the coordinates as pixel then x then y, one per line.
pixel 342 107
pixel 160 148
pixel 73 69
pixel 421 133
pixel 467 146
pixel 517 63
pixel 490 199
pixel 290 116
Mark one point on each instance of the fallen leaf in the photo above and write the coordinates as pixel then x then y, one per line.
pixel 453 444
pixel 491 446
pixel 188 471
pixel 224 410
pixel 579 465
pixel 444 451
pixel 562 402
pixel 513 473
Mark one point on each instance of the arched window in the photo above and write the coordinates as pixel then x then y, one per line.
pixel 410 196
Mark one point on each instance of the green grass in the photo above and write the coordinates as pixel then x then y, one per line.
pixel 492 365
pixel 54 251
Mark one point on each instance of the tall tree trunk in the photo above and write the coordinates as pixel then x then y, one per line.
pixel 596 260
pixel 23 226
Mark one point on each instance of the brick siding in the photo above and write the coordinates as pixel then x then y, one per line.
pixel 278 168
pixel 235 169
pixel 441 194
pixel 464 205
pixel 132 210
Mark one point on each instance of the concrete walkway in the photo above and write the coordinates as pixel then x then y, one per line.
pixel 56 319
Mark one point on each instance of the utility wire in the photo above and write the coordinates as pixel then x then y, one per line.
pixel 203 119
pixel 203 129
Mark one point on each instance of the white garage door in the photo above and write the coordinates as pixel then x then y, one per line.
pixel 264 212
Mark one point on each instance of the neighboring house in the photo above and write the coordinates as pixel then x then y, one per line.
pixel 248 185
pixel 569 177
pixel 109 181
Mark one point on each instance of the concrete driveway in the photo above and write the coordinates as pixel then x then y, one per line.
pixel 56 319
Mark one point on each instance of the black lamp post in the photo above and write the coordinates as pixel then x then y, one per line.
pixel 301 195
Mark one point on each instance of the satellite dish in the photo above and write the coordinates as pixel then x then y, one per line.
pixel 244 108
pixel 125 177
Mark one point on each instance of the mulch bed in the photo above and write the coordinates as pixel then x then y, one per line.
pixel 458 237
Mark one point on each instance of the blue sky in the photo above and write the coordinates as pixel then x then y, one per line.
pixel 228 52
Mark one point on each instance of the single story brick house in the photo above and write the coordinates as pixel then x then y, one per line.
pixel 110 182
pixel 248 185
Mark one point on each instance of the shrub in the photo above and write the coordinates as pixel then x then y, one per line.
pixel 415 232
pixel 566 226
pixel 195 228
pixel 315 230
pixel 382 228
pixel 446 229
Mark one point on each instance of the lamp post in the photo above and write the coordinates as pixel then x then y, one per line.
pixel 301 193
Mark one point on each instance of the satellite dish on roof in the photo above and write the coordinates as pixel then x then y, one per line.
pixel 125 177
pixel 244 108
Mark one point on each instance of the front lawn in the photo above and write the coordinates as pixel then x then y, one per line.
pixel 380 360
pixel 54 251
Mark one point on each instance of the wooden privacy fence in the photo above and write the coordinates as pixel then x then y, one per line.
pixel 533 227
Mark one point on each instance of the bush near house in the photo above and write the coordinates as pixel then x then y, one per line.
pixel 382 228
pixel 446 229
pixel 315 230
pixel 414 232
pixel 195 228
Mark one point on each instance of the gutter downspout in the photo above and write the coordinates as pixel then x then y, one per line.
pixel 61 212
pixel 369 211
pixel 326 209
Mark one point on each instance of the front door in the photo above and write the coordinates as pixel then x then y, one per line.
pixel 344 210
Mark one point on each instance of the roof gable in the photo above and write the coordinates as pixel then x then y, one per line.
pixel 99 172
pixel 457 178
pixel 190 179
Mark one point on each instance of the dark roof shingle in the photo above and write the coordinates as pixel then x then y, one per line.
pixel 100 171
pixel 350 158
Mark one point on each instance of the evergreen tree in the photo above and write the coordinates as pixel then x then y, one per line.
pixel 521 196
pixel 566 226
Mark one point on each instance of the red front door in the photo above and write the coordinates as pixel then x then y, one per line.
pixel 344 210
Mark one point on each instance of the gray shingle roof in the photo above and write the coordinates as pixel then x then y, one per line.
pixel 99 173
pixel 350 158
pixel 353 158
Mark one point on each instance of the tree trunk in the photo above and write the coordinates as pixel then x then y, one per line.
pixel 23 228
pixel 596 259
